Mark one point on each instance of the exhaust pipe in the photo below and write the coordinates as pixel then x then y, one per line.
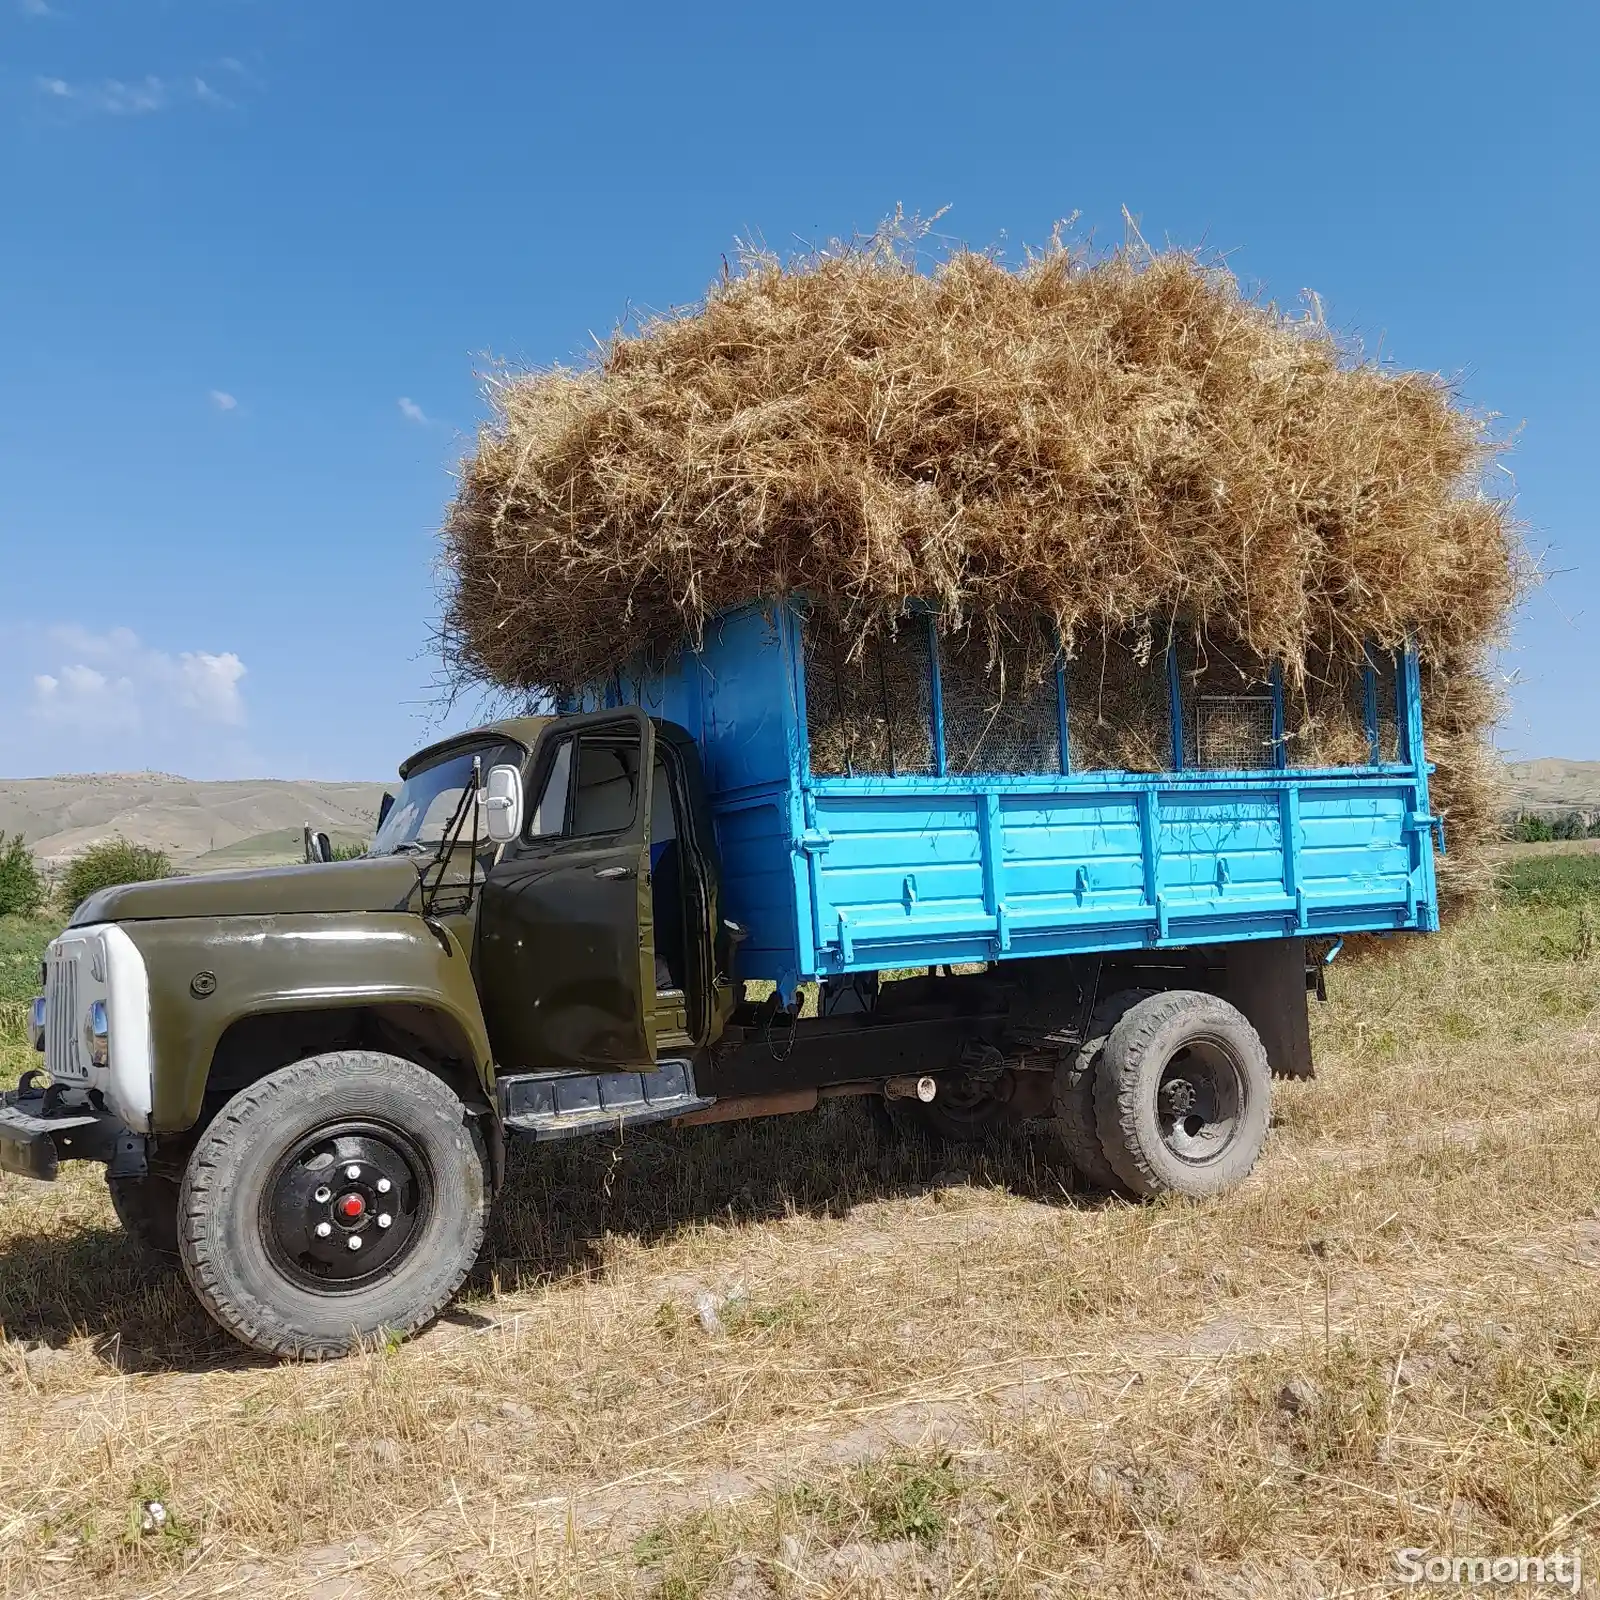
pixel 923 1089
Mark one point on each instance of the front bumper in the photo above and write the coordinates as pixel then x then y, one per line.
pixel 38 1131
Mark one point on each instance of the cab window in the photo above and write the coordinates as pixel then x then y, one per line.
pixel 591 786
pixel 549 818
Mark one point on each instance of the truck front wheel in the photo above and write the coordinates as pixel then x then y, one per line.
pixel 339 1199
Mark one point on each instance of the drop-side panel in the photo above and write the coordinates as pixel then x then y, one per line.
pixel 1070 860
pixel 898 867
pixel 913 876
pixel 1358 846
pixel 1221 851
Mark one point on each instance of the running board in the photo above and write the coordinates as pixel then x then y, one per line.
pixel 562 1105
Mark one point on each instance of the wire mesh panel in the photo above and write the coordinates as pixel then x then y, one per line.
pixel 1325 715
pixel 1228 719
pixel 1002 716
pixel 1119 716
pixel 874 715
pixel 1233 731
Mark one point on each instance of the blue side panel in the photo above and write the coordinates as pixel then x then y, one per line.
pixel 757 885
pixel 1071 860
pixel 900 876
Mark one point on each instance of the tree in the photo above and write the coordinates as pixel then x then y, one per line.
pixel 111 862
pixel 22 885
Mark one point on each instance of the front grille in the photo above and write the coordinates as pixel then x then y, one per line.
pixel 63 1056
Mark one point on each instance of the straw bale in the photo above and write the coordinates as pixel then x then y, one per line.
pixel 1117 447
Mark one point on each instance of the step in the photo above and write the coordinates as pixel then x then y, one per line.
pixel 562 1105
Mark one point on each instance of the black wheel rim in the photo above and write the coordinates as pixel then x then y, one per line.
pixel 1200 1102
pixel 346 1206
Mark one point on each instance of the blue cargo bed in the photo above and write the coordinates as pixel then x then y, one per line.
pixel 836 871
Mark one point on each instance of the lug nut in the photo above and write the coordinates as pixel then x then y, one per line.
pixel 384 1219
pixel 324 1229
pixel 355 1241
pixel 323 1196
pixel 384 1186
pixel 352 1172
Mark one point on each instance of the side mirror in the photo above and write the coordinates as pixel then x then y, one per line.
pixel 385 806
pixel 502 803
pixel 319 847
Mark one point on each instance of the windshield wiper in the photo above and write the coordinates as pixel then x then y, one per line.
pixel 416 846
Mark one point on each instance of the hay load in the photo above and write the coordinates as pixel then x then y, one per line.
pixel 1120 453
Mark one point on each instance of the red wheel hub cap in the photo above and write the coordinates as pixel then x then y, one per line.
pixel 352 1206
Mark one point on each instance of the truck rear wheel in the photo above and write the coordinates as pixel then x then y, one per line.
pixel 1074 1093
pixel 1183 1095
pixel 339 1199
pixel 147 1208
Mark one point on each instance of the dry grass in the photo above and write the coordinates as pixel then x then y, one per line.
pixel 934 1373
pixel 1089 444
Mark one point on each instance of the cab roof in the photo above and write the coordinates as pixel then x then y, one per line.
pixel 520 730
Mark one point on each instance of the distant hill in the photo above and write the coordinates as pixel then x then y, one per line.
pixel 246 822
pixel 257 821
pixel 1550 784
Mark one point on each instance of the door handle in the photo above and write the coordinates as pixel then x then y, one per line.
pixel 610 874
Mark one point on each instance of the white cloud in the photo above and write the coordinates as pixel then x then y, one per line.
pixel 117 97
pixel 113 682
pixel 412 412
pixel 223 401
pixel 114 97
pixel 209 685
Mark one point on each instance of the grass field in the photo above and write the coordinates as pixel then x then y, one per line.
pixel 924 1372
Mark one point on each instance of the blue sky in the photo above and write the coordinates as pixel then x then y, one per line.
pixel 254 255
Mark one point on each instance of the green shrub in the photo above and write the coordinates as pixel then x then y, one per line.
pixel 1529 829
pixel 22 942
pixel 22 885
pixel 1552 880
pixel 111 862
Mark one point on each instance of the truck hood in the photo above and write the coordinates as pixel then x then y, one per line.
pixel 384 884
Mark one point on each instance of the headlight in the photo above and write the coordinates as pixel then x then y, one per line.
pixel 36 1021
pixel 99 1031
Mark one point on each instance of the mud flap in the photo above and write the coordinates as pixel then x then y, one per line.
pixel 1267 981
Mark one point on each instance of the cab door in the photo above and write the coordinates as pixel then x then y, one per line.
pixel 566 951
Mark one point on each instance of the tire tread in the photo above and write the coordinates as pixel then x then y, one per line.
pixel 1074 1096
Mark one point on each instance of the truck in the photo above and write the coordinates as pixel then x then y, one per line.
pixel 751 876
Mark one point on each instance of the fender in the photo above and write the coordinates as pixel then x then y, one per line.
pixel 206 973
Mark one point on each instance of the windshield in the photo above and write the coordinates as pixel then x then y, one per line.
pixel 427 800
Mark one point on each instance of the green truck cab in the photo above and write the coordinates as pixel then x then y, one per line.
pixel 301 1079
